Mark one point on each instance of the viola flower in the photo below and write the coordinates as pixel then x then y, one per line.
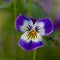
pixel 32 37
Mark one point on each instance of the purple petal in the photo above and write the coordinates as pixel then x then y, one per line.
pixel 22 23
pixel 57 25
pixel 30 45
pixel 46 26
pixel 34 20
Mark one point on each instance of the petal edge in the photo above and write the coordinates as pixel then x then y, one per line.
pixel 22 22
pixel 46 25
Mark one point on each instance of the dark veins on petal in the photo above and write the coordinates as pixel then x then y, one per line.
pixel 29 27
pixel 37 28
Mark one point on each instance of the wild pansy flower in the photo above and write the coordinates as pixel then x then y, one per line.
pixel 32 37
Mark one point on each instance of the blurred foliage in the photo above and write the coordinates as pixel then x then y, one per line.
pixel 9 36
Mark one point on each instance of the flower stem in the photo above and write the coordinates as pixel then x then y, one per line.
pixel 34 55
pixel 14 9
pixel 15 41
pixel 30 8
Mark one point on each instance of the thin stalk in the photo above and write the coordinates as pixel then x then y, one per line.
pixel 30 8
pixel 14 9
pixel 15 33
pixel 34 55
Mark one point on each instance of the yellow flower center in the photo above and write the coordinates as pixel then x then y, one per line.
pixel 32 34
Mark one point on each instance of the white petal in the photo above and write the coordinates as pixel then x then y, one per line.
pixel 40 26
pixel 30 44
pixel 26 24
pixel 37 39
pixel 25 37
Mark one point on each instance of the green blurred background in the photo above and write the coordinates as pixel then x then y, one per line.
pixel 9 37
